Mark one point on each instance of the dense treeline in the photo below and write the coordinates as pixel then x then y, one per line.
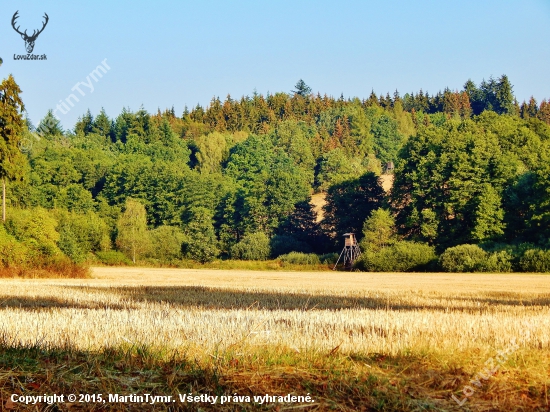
pixel 235 179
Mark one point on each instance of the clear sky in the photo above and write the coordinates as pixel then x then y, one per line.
pixel 176 53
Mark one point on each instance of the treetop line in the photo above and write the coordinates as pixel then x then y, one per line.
pixel 235 179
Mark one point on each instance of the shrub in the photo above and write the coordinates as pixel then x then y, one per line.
pixel 12 253
pixel 463 258
pixel 329 258
pixel 254 246
pixel 166 243
pixel 90 231
pixel 299 258
pixel 69 244
pixel 36 228
pixel 60 266
pixel 535 260
pixel 113 258
pixel 501 261
pixel 402 256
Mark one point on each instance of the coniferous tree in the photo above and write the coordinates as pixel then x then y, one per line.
pixel 12 125
pixel 84 124
pixel 102 124
pixel 504 97
pixel 49 126
pixel 302 89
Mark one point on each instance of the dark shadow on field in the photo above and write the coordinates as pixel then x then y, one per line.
pixel 222 298
pixel 38 303
pixel 405 383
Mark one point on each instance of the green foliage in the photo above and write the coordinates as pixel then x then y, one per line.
pixel 387 139
pixel 254 246
pixel 401 256
pixel 378 230
pixel 132 236
pixel 248 166
pixel 350 203
pixel 50 126
pixel 328 258
pixel 212 152
pixel 463 182
pixel 299 258
pixel 294 138
pixel 497 262
pixel 535 260
pixel 166 242
pixel 299 231
pixel 70 245
pixel 113 258
pixel 471 258
pixel 12 126
pixel 463 258
pixel 268 185
pixel 36 229
pixel 335 167
pixel 488 215
pixel 81 234
pixel 283 244
pixel 12 252
pixel 200 243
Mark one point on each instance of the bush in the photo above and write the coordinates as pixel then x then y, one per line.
pixel 113 258
pixel 329 258
pixel 498 262
pixel 254 246
pixel 166 243
pixel 472 258
pixel 402 256
pixel 299 258
pixel 36 229
pixel 463 258
pixel 12 253
pixel 90 231
pixel 535 260
pixel 69 244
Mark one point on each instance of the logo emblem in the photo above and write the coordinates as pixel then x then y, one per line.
pixel 29 40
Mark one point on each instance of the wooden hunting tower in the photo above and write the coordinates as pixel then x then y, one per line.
pixel 350 252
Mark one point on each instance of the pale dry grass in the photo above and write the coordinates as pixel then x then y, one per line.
pixel 204 312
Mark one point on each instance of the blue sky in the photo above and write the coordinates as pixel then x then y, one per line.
pixel 181 53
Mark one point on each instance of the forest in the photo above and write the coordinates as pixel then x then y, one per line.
pixel 234 180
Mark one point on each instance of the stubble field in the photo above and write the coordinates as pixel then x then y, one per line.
pixel 353 341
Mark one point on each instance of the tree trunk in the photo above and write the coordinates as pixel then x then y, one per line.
pixel 3 199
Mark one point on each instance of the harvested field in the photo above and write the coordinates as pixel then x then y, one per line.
pixel 382 340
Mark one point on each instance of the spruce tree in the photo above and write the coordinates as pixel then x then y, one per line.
pixel 504 97
pixel 302 89
pixel 12 126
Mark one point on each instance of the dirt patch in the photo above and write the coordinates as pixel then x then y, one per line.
pixel 387 182
pixel 318 201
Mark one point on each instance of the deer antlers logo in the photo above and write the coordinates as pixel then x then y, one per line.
pixel 29 40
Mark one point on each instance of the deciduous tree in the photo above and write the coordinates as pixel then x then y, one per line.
pixel 132 236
